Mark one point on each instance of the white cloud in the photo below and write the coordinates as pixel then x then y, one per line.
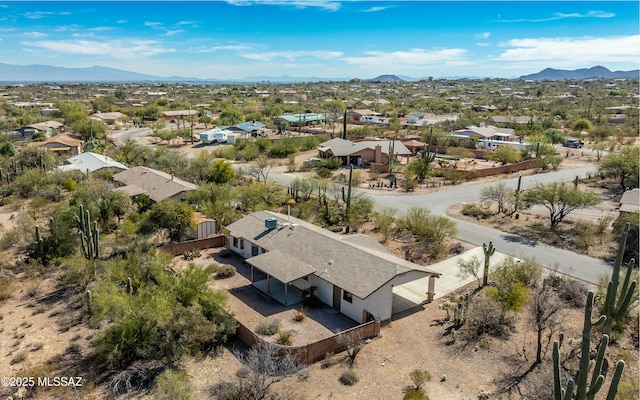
pixel 42 14
pixel 558 16
pixel 413 57
pixel 153 24
pixel 120 48
pixel 229 47
pixel 483 44
pixel 35 34
pixel 292 55
pixel 175 32
pixel 483 35
pixel 327 5
pixel 376 9
pixel 573 51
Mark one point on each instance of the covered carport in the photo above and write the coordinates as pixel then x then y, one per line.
pixel 281 269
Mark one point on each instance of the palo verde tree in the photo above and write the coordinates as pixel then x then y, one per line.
pixel 176 217
pixel 559 199
pixel 623 165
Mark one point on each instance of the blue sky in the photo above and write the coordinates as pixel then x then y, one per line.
pixel 333 39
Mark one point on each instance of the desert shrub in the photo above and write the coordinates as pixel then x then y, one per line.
pixel 349 377
pixel 268 327
pixel 299 315
pixel 226 152
pixel 419 377
pixel 130 381
pixel 192 254
pixel 572 292
pixel 324 173
pixel 512 297
pixel 283 148
pixel 328 360
pixel 486 316
pixel 415 395
pixel 511 271
pixel 173 385
pixel 225 271
pixel 284 338
pixel 6 288
pixel 19 357
pixel 473 210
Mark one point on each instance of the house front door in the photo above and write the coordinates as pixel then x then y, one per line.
pixel 336 297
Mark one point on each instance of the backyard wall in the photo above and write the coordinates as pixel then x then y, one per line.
pixel 175 249
pixel 317 351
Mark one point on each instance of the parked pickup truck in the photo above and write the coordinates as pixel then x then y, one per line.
pixel 574 143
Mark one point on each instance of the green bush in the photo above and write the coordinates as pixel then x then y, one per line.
pixel 268 327
pixel 173 385
pixel 192 254
pixel 415 395
pixel 512 297
pixel 473 210
pixel 283 147
pixel 225 271
pixel 349 377
pixel 284 338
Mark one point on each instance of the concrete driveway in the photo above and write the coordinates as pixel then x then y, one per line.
pixel 413 294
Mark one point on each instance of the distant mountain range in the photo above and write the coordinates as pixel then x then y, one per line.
pixel 551 74
pixel 51 74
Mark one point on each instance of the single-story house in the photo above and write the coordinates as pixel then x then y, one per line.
pixel 91 162
pixel 511 119
pixel 64 143
pixel 301 119
pixel 251 128
pixel 109 118
pixel 487 132
pixel 364 153
pixel 48 128
pixel 354 274
pixel 357 114
pixel 415 118
pixel 156 184
pixel 178 114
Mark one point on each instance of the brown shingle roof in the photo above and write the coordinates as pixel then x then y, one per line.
pixel 156 184
pixel 352 264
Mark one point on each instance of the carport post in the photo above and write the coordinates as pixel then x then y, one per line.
pixel 431 291
pixel 285 294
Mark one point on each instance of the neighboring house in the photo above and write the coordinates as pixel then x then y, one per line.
pixel 357 115
pixel 511 119
pixel 302 119
pixel 109 118
pixel 415 118
pixel 484 108
pixel 64 143
pixel 364 153
pixel 630 201
pixel 352 273
pixel 48 128
pixel 369 103
pixel 250 128
pixel 178 114
pixel 156 184
pixel 91 162
pixel 487 132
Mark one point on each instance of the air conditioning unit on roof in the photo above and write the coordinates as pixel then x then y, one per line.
pixel 270 223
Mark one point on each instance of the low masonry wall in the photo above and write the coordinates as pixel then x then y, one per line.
pixel 316 351
pixel 175 249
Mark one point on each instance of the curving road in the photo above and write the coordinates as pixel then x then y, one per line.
pixel 576 265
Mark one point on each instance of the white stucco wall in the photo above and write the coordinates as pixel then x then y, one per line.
pixel 380 303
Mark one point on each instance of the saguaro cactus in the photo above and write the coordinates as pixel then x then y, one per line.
pixel 488 252
pixel 347 198
pixel 89 235
pixel 585 388
pixel 617 302
pixel 344 125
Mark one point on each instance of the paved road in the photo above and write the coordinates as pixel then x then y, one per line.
pixel 567 262
pixel 134 134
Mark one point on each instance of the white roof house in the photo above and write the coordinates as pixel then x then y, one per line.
pixel 487 132
pixel 352 273
pixel 91 162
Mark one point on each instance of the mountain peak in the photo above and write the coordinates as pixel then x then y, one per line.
pixel 386 78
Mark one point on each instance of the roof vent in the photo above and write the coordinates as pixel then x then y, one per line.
pixel 270 223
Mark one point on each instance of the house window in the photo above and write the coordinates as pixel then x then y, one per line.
pixel 346 296
pixel 235 242
pixel 254 250
pixel 241 244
